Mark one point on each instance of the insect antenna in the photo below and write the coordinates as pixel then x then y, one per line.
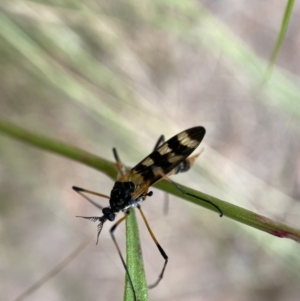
pixel 92 218
pixel 195 196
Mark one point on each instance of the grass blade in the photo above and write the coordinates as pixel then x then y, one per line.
pixel 134 261
pixel 280 38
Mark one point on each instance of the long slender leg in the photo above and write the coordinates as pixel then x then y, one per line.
pixel 166 204
pixel 112 230
pixel 82 190
pixel 187 193
pixel 159 142
pixel 162 252
pixel 121 168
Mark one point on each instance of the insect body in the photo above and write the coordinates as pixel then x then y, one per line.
pixel 131 189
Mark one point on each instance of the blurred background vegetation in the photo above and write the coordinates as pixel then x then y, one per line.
pixel 103 74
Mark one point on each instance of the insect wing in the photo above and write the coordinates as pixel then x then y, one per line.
pixel 171 153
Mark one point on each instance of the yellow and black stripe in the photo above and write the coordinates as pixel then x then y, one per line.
pixel 170 155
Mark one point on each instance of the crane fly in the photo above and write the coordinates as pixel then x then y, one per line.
pixel 168 158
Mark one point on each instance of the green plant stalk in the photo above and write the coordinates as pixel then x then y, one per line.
pixel 280 37
pixel 234 212
pixel 58 147
pixel 134 261
pixel 229 210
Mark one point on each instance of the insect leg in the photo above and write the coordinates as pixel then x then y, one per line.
pixel 112 230
pixel 82 190
pixel 159 142
pixel 121 168
pixel 184 192
pixel 162 252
